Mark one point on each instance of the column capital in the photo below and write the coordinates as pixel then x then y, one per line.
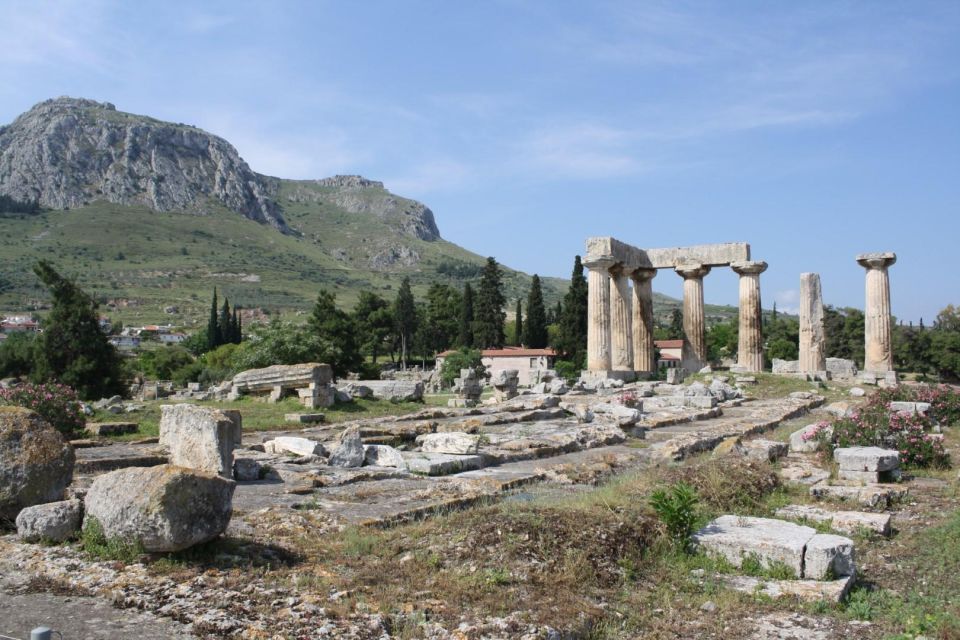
pixel 877 260
pixel 749 267
pixel 598 263
pixel 691 270
pixel 642 274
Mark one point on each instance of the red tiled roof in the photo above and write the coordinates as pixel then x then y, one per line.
pixel 669 344
pixel 507 352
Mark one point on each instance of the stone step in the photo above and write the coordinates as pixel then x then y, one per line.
pixel 845 521
pixel 805 590
pixel 440 464
pixel 874 496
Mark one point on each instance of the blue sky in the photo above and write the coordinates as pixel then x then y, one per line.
pixel 814 131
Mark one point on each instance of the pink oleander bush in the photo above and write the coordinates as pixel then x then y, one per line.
pixel 909 433
pixel 56 403
pixel 944 400
pixel 629 399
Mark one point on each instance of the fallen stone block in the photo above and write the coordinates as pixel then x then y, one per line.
pixel 828 557
pixel 304 418
pixel 53 521
pixel 458 443
pixel 110 428
pixel 874 496
pixel 380 455
pixel 857 392
pixel 350 452
pixel 36 463
pixel 805 590
pixel 247 470
pixel 200 438
pixel 162 508
pixel 844 521
pixel 765 450
pixel 910 407
pixel 440 464
pixel 867 458
pixel 745 380
pixel 396 390
pixel 298 446
pixel 804 440
pixel 771 541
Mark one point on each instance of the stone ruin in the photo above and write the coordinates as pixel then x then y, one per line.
pixel 504 383
pixel 310 381
pixel 620 316
pixel 468 387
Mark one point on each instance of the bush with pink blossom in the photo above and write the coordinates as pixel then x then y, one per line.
pixel 56 403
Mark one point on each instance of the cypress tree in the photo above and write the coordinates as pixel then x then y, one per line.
pixel 489 312
pixel 405 319
pixel 226 328
pixel 465 333
pixel 572 340
pixel 72 349
pixel 536 333
pixel 518 325
pixel 235 325
pixel 213 325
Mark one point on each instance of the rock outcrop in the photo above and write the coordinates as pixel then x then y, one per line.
pixel 162 508
pixel 67 152
pixel 36 463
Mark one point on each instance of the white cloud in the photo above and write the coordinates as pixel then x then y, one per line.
pixel 430 176
pixel 787 301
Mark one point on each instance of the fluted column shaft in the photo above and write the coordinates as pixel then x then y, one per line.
pixel 750 337
pixel 621 319
pixel 878 343
pixel 693 314
pixel 813 356
pixel 644 354
pixel 598 314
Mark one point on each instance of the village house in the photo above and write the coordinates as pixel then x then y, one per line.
pixel 11 324
pixel 529 363
pixel 671 353
pixel 172 338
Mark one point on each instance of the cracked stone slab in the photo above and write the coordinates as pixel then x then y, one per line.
pixel 806 590
pixel 845 521
pixel 737 537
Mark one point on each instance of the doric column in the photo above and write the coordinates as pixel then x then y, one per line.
pixel 695 343
pixel 621 335
pixel 644 356
pixel 750 341
pixel 878 344
pixel 598 313
pixel 812 335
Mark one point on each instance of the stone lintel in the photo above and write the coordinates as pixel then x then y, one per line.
pixel 713 255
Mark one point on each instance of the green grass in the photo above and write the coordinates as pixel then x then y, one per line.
pixel 261 416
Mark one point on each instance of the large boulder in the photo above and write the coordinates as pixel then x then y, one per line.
pixel 53 521
pixel 162 508
pixel 201 438
pixel 36 462
pixel 350 451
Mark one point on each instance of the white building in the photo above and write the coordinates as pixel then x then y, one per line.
pixel 529 363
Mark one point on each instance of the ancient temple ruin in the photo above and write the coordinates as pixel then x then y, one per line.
pixel 620 316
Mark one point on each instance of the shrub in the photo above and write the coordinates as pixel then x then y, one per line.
pixel 676 506
pixel 567 370
pixel 55 403
pixel 465 359
pixel 95 542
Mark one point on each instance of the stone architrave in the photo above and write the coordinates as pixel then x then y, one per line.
pixel 644 355
pixel 812 335
pixel 878 343
pixel 598 314
pixel 695 344
pixel 750 343
pixel 621 320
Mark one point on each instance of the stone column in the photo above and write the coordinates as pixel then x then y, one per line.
pixel 621 334
pixel 695 343
pixel 812 335
pixel 644 356
pixel 878 344
pixel 750 341
pixel 598 313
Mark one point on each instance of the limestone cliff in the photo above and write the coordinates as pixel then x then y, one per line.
pixel 67 152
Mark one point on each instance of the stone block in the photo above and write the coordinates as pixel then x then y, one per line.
pixel 765 450
pixel 350 452
pixel 200 438
pixel 857 392
pixel 440 464
pixel 804 590
pixel 863 477
pixel 396 390
pixel 36 463
pixel 736 538
pixel 675 376
pixel 381 455
pixel 745 380
pixel 844 521
pixel 828 557
pixel 802 440
pixel 841 368
pixel 110 428
pixel 52 521
pixel 910 407
pixel 867 458
pixel 304 418
pixel 247 470
pixel 785 366
pixel 450 442
pixel 298 446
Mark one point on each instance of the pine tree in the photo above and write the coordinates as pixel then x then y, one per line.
pixel 518 325
pixel 536 331
pixel 465 333
pixel 405 319
pixel 489 313
pixel 72 349
pixel 214 339
pixel 572 339
pixel 373 319
pixel 335 335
